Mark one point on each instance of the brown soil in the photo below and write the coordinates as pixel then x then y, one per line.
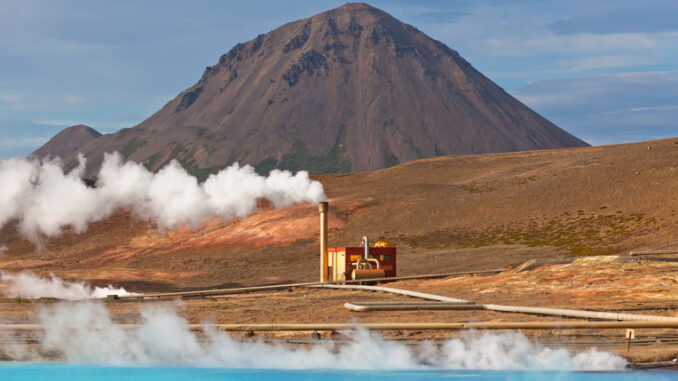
pixel 445 214
pixel 577 212
pixel 600 283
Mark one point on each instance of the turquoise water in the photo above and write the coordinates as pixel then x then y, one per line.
pixel 63 372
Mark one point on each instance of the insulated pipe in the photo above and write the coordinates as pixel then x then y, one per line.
pixel 376 261
pixel 367 261
pixel 322 208
pixel 404 306
pixel 413 294
pixel 519 309
pixel 275 287
pixel 362 263
pixel 579 313
pixel 397 326
pixel 654 252
pixel 367 274
pixel 444 326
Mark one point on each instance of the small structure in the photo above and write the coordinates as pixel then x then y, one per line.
pixel 364 262
pixel 354 263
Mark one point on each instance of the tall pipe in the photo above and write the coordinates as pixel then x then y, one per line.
pixel 366 245
pixel 322 208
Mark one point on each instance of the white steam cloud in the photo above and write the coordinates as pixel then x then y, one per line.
pixel 43 200
pixel 30 286
pixel 85 333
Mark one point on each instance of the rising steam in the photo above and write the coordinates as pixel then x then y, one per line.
pixel 30 286
pixel 43 200
pixel 85 333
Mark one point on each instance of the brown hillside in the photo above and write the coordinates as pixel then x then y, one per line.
pixel 348 90
pixel 445 214
pixel 68 142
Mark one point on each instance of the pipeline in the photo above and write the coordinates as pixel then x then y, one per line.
pixel 398 326
pixel 366 307
pixel 653 252
pixel 276 287
pixel 518 309
pixel 414 294
pixel 579 313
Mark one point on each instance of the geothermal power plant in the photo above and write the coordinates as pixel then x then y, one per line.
pixel 342 192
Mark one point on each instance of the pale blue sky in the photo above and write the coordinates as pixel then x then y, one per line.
pixel 606 71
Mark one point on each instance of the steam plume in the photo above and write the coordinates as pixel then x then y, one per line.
pixel 85 333
pixel 30 286
pixel 44 200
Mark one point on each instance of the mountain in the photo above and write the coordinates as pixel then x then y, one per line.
pixel 350 89
pixel 67 142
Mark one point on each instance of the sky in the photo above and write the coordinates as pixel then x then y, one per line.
pixel 605 71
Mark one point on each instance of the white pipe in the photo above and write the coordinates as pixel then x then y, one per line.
pixel 654 252
pixel 395 326
pixel 413 294
pixel 362 262
pixel 242 290
pixel 366 307
pixel 579 313
pixel 519 309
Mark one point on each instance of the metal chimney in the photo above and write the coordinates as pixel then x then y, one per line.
pixel 322 208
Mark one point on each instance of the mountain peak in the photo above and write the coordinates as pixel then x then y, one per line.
pixel 353 7
pixel 361 13
pixel 349 89
pixel 67 142
pixel 83 128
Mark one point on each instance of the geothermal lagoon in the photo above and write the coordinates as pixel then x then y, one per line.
pixel 64 372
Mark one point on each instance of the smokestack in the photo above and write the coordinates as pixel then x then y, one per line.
pixel 322 208
pixel 366 245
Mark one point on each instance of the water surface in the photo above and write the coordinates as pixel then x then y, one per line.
pixel 67 372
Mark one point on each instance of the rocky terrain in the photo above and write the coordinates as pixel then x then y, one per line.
pixel 68 142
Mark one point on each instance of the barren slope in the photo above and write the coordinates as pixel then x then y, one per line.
pixel 445 214
pixel 68 142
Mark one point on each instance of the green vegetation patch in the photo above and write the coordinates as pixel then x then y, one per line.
pixel 390 159
pixel 177 151
pixel 264 167
pixel 202 173
pixel 438 151
pixel 131 147
pixel 68 167
pixel 186 157
pixel 336 161
pixel 489 186
pixel 151 161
